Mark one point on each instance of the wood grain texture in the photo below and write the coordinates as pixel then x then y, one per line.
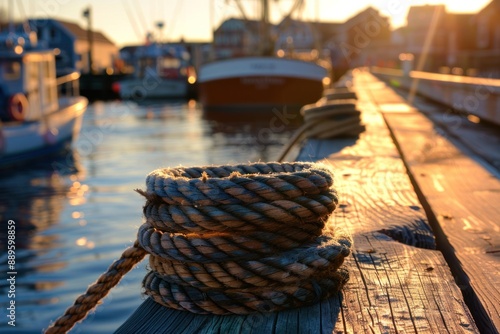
pixel 151 317
pixel 463 199
pixel 394 287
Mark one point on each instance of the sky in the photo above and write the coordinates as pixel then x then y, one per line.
pixel 126 22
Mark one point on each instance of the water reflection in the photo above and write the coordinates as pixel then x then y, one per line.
pixel 261 131
pixel 34 197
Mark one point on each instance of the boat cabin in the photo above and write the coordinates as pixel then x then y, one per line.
pixel 28 87
pixel 162 61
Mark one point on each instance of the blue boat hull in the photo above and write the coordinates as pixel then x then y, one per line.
pixel 22 142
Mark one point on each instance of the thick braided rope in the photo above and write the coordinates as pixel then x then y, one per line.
pixel 236 184
pixel 291 188
pixel 241 239
pixel 243 301
pixel 304 213
pixel 325 254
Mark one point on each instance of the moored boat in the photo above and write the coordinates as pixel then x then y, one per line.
pixel 39 113
pixel 264 79
pixel 160 71
pixel 260 82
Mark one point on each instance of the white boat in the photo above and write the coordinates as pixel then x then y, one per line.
pixel 36 118
pixel 160 71
pixel 262 82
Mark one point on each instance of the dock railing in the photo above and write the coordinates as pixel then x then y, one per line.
pixel 471 95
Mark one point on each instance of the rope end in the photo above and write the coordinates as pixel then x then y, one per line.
pixel 204 177
pixel 141 192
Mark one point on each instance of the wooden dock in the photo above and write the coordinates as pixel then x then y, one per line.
pixel 425 219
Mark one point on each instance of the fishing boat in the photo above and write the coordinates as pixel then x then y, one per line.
pixel 160 71
pixel 39 113
pixel 260 82
pixel 264 81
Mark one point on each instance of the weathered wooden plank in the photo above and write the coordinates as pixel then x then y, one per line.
pixel 213 325
pixel 309 150
pixel 260 323
pixel 394 287
pixel 307 317
pixel 317 149
pixel 463 197
pixel 287 322
pixel 150 315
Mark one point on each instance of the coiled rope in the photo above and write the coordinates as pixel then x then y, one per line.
pixel 232 240
pixel 334 115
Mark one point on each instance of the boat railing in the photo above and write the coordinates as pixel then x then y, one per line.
pixel 69 84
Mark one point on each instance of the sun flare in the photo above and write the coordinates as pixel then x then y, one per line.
pixel 398 17
pixel 396 10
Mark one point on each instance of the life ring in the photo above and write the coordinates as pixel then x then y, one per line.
pixel 18 106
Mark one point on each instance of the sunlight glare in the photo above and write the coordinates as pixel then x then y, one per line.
pixel 81 241
pixel 473 119
pixel 397 10
pixel 452 6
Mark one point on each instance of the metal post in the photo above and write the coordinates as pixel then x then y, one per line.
pixel 88 14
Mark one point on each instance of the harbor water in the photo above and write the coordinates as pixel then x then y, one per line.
pixel 76 213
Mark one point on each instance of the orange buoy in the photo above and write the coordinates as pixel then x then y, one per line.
pixel 18 106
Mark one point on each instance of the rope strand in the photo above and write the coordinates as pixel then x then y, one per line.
pixel 334 115
pixel 98 290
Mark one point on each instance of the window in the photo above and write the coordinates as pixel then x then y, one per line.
pixel 11 70
pixel 32 69
pixel 482 34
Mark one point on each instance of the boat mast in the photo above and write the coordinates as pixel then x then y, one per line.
pixel 267 45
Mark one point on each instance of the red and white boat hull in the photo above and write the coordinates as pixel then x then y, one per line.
pixel 260 82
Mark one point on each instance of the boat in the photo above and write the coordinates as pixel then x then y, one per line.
pixel 260 82
pixel 265 81
pixel 161 71
pixel 40 114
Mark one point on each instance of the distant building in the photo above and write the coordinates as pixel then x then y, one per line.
pixel 199 53
pixel 488 27
pixel 362 40
pixel 237 38
pixel 296 35
pixel 460 39
pixel 303 35
pixel 486 57
pixel 459 43
pixel 398 38
pixel 73 43
pixel 427 24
